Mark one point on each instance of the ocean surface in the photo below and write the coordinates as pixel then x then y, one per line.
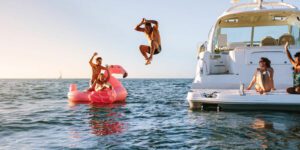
pixel 35 114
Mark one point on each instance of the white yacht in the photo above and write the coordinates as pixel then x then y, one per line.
pixel 227 61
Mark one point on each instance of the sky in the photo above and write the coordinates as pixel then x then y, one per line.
pixel 40 38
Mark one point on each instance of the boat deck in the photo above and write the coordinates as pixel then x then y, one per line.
pixel 231 99
pixel 251 96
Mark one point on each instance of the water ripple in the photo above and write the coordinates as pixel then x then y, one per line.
pixel 35 114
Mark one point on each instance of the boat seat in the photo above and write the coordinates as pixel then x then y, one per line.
pixel 287 38
pixel 268 41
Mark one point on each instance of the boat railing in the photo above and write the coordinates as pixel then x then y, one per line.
pixel 263 5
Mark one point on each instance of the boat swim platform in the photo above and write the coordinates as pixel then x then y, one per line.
pixel 251 100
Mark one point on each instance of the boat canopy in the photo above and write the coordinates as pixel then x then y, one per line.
pixel 260 18
pixel 258 26
pixel 260 14
pixel 259 5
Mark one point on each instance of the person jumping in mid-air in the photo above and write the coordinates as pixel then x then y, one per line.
pixel 153 37
pixel 96 68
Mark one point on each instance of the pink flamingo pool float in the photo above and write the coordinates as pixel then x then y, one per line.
pixel 107 96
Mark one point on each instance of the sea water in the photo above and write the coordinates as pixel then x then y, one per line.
pixel 35 114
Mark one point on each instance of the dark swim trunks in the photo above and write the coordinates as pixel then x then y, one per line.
pixel 157 51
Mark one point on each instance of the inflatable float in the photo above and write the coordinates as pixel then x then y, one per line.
pixel 107 96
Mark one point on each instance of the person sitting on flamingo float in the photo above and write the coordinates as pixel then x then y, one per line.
pixel 101 82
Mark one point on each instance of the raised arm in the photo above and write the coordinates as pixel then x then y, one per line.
pixel 153 22
pixel 91 60
pixel 139 28
pixel 289 54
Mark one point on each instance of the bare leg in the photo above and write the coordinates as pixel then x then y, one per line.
pixel 144 49
pixel 259 89
pixel 291 90
pixel 297 90
pixel 154 46
pixel 92 88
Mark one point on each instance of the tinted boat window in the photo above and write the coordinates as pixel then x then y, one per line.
pixel 269 31
pixel 237 35
pixel 296 34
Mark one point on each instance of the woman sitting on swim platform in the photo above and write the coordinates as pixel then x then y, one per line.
pixel 296 67
pixel 263 77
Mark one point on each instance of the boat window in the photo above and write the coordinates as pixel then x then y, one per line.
pixel 235 37
pixel 263 32
pixel 279 18
pixel 296 33
pixel 227 39
pixel 240 34
pixel 232 20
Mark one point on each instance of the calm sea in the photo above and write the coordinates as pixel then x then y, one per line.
pixel 35 114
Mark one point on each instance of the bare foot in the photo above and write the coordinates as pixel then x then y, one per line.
pixel 148 62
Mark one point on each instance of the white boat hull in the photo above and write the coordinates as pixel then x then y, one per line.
pixel 232 100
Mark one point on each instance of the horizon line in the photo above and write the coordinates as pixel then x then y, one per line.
pixel 89 78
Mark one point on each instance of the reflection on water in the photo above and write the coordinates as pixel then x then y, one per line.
pixel 104 119
pixel 105 127
pixel 105 122
pixel 254 130
pixel 259 123
pixel 261 126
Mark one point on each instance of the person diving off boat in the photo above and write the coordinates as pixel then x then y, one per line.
pixel 296 67
pixel 263 77
pixel 96 68
pixel 153 36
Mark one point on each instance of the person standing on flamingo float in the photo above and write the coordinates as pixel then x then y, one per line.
pixel 96 68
